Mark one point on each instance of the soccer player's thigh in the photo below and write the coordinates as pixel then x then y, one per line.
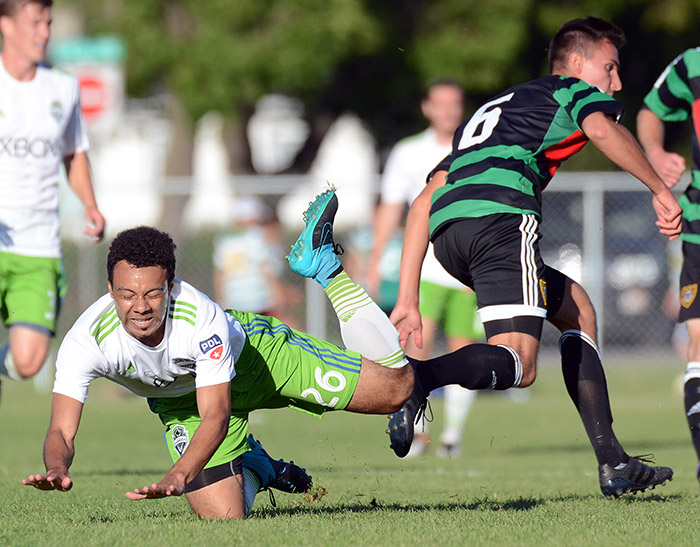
pixel 498 256
pixel 34 289
pixel 216 492
pixel 462 323
pixel 689 301
pixel 314 375
pixel 321 376
pixel 431 305
pixel 568 304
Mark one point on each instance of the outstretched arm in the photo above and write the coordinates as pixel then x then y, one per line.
pixel 405 316
pixel 214 405
pixel 78 172
pixel 58 446
pixel 650 132
pixel 387 218
pixel 619 146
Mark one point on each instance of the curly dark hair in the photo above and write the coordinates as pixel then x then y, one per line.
pixel 582 36
pixel 142 247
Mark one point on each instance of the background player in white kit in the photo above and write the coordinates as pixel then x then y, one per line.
pixel 445 302
pixel 41 126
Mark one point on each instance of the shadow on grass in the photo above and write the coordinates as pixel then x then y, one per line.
pixel 631 447
pixel 485 504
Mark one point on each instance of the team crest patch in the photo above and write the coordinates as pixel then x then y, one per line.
pixel 543 290
pixel 181 439
pixel 56 111
pixel 688 294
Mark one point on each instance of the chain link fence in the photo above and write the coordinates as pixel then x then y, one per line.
pixel 598 228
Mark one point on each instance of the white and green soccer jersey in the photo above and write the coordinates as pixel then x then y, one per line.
pixel 200 348
pixel 40 124
pixel 675 97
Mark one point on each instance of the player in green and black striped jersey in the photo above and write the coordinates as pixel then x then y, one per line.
pixel 675 97
pixel 481 209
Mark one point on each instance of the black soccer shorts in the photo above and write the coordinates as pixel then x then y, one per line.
pixel 498 256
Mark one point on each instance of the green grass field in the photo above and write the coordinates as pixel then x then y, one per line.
pixel 526 475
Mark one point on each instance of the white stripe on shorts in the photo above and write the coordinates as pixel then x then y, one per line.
pixel 528 229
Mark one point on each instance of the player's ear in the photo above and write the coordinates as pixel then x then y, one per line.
pixel 111 292
pixel 576 62
pixel 425 108
pixel 4 21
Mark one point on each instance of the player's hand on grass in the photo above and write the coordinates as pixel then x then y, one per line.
pixel 156 491
pixel 53 480
pixel 407 321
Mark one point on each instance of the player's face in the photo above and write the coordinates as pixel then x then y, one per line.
pixel 602 68
pixel 141 296
pixel 444 108
pixel 27 32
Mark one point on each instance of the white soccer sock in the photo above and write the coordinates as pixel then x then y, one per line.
pixel 251 485
pixel 364 327
pixel 692 371
pixel 7 364
pixel 458 403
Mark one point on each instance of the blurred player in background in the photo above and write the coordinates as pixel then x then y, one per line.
pixel 248 265
pixel 676 98
pixel 41 126
pixel 444 301
pixel 482 209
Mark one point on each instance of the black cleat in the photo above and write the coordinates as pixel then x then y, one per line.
pixel 401 428
pixel 631 477
pixel 277 474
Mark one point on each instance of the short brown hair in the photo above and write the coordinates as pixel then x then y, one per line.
pixel 8 8
pixel 582 36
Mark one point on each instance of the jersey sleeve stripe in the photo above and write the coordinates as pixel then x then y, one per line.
pixel 106 331
pixel 183 303
pixel 183 317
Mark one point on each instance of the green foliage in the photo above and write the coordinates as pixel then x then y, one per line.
pixel 465 40
pixel 526 476
pixel 368 56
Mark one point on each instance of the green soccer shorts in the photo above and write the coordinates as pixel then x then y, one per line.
pixel 279 367
pixel 31 290
pixel 454 308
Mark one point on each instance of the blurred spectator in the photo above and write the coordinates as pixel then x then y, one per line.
pixel 445 302
pixel 249 265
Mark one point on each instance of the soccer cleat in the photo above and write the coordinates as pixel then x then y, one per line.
pixel 401 422
pixel 277 474
pixel 631 477
pixel 314 254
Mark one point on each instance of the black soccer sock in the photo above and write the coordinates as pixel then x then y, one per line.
pixel 477 366
pixel 692 410
pixel 585 381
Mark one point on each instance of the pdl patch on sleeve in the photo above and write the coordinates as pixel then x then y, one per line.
pixel 211 343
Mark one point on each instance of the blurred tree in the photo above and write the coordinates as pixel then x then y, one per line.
pixel 372 57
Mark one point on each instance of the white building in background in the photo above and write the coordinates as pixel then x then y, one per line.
pixel 211 198
pixel 348 160
pixel 276 133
